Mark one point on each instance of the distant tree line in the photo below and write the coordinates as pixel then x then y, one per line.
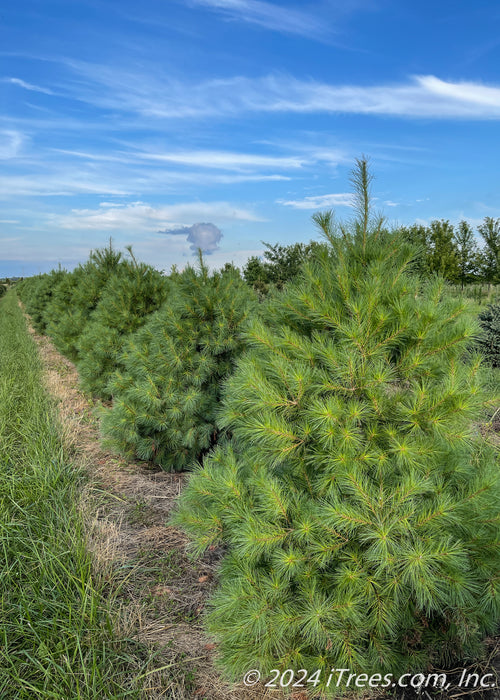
pixel 450 251
pixel 278 265
pixel 454 252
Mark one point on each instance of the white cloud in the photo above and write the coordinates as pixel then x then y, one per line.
pixel 224 160
pixel 473 93
pixel 139 216
pixel 160 97
pixel 205 236
pixel 343 199
pixel 11 142
pixel 149 172
pixel 423 96
pixel 286 20
pixel 233 179
pixel 100 157
pixel 27 86
pixel 49 184
pixel 48 177
pixel 389 203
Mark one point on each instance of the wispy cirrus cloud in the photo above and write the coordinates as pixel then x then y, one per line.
pixel 225 160
pixel 143 217
pixel 342 199
pixel 237 162
pixel 11 142
pixel 60 172
pixel 56 183
pixel 27 86
pixel 164 98
pixel 286 20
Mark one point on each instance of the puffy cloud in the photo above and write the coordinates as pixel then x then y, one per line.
pixel 203 235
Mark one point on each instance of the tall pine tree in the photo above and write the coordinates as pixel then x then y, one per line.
pixel 357 501
pixel 61 311
pixel 133 292
pixel 166 395
pixel 78 299
pixel 39 293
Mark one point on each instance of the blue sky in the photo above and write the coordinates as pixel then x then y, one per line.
pixel 224 123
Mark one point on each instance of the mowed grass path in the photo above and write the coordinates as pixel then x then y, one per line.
pixel 56 632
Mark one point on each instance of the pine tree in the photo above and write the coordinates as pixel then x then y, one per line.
pixel 39 294
pixel 133 292
pixel 25 289
pixel 488 340
pixel 75 305
pixel 166 396
pixel 62 317
pixel 419 236
pixel 357 502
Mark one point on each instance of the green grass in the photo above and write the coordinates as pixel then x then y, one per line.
pixel 478 295
pixel 56 629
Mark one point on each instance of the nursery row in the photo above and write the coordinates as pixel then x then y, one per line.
pixel 343 468
pixel 158 346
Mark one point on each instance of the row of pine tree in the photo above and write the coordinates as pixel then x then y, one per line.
pixel 332 429
pixel 154 348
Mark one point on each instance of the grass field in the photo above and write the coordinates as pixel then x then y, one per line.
pixel 56 631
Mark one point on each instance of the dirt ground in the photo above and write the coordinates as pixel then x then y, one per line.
pixel 162 592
